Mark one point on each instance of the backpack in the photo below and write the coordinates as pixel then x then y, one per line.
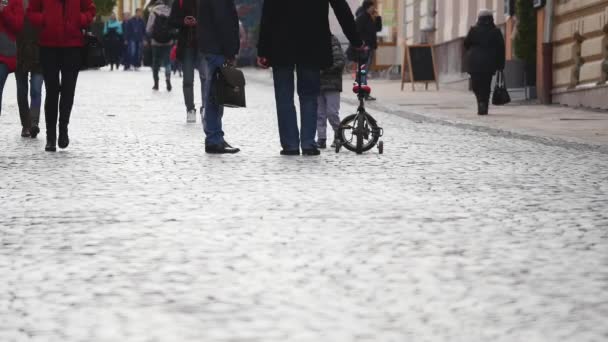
pixel 161 31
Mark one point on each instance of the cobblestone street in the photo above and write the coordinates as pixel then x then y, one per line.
pixel 135 234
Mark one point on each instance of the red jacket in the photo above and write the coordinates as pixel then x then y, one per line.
pixel 11 23
pixel 61 21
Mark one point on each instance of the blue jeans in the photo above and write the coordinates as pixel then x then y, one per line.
pixel 29 112
pixel 212 120
pixel 133 57
pixel 309 84
pixel 193 60
pixel 4 72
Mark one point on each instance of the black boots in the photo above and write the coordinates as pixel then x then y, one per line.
pixel 155 85
pixel 169 87
pixel 51 141
pixel 482 108
pixel 64 140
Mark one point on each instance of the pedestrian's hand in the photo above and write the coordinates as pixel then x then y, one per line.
pixel 263 62
pixel 231 61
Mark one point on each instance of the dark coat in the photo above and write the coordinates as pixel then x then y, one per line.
pixel 485 48
pixel 331 78
pixel 297 31
pixel 218 28
pixel 186 37
pixel 61 22
pixel 28 51
pixel 368 28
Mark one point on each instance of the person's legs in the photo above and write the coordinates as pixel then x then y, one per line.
pixel 69 75
pixel 166 61
pixel 156 62
pixel 212 120
pixel 321 118
pixel 190 56
pixel 309 87
pixel 203 74
pixel 36 82
pixel 333 109
pixel 286 110
pixel 22 100
pixel 49 58
pixel 3 76
pixel 481 84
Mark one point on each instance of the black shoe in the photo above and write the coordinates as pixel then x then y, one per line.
pixel 155 85
pixel 25 132
pixel 63 140
pixel 370 98
pixel 311 152
pixel 169 87
pixel 224 148
pixel 322 143
pixel 290 152
pixel 482 108
pixel 50 145
pixel 34 132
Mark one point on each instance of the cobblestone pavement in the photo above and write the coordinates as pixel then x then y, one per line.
pixel 134 234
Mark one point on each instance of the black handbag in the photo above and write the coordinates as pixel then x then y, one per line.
pixel 229 87
pixel 93 54
pixel 501 95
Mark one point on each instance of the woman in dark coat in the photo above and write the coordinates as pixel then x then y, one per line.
pixel 485 48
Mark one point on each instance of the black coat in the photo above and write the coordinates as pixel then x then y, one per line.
pixel 218 28
pixel 186 37
pixel 368 28
pixel 485 47
pixel 297 31
pixel 331 78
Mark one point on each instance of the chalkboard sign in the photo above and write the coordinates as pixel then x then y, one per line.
pixel 419 61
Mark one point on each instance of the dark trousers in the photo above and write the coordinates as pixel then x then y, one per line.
pixel 160 57
pixel 193 60
pixel 60 67
pixel 29 83
pixel 482 86
pixel 309 88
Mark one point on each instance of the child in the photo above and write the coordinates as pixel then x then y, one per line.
pixel 329 100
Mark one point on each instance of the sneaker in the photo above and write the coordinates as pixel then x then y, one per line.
pixel 370 98
pixel 191 116
pixel 322 143
pixel 25 132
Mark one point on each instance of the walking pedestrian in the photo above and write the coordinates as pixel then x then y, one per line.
pixel 11 23
pixel 295 36
pixel 219 41
pixel 329 100
pixel 61 41
pixel 485 48
pixel 369 23
pixel 113 41
pixel 135 34
pixel 29 70
pixel 184 18
pixel 159 29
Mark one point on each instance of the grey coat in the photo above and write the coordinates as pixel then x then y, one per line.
pixel 331 78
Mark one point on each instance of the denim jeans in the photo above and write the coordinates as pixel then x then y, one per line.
pixel 29 112
pixel 160 57
pixel 133 57
pixel 193 60
pixel 3 76
pixel 309 84
pixel 212 120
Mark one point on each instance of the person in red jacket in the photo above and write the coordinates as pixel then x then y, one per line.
pixel 61 40
pixel 11 23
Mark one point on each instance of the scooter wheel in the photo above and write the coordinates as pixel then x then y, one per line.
pixel 381 147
